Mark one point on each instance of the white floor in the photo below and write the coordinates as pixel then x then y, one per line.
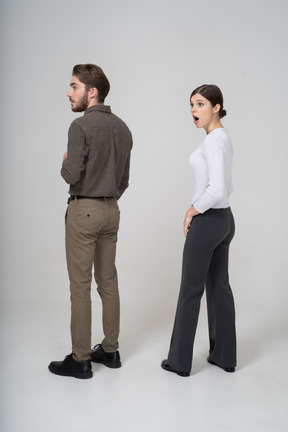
pixel 141 396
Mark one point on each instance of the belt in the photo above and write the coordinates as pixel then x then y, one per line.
pixel 73 197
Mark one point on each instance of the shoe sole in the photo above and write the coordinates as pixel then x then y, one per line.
pixel 107 364
pixel 85 375
pixel 170 369
pixel 229 370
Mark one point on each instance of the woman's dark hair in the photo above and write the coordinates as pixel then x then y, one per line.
pixel 93 76
pixel 213 94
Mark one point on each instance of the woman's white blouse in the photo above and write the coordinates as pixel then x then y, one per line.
pixel 211 163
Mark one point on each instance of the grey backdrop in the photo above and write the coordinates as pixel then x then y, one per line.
pixel 154 53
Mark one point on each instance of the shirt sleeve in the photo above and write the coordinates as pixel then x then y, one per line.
pixel 77 151
pixel 214 154
pixel 125 178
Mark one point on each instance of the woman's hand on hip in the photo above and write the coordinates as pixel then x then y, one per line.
pixel 191 212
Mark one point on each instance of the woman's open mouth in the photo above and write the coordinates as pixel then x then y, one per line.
pixel 195 119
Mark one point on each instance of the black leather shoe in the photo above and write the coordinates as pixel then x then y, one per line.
pixel 226 369
pixel 109 359
pixel 70 367
pixel 168 368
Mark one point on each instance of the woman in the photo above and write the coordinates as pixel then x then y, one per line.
pixel 209 229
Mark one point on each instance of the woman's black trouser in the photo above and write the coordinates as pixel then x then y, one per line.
pixel 205 263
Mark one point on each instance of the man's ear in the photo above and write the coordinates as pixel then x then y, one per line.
pixel 93 93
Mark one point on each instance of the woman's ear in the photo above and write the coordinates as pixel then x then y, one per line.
pixel 216 108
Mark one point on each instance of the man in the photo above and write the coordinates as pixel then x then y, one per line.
pixel 96 165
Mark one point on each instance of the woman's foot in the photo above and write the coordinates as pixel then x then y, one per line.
pixel 168 368
pixel 226 369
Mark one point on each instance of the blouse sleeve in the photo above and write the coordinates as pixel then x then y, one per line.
pixel 214 153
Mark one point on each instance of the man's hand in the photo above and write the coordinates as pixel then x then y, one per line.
pixel 191 212
pixel 65 156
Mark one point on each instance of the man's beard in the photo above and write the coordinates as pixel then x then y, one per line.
pixel 82 104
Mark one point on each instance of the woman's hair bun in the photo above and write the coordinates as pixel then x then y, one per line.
pixel 222 113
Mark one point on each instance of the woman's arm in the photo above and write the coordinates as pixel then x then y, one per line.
pixel 214 153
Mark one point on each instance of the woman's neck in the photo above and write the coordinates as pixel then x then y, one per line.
pixel 214 125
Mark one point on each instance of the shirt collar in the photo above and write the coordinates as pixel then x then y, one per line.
pixel 103 108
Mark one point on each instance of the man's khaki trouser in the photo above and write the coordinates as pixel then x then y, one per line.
pixel 91 237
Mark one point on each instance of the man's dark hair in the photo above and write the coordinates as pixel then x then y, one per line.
pixel 93 76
